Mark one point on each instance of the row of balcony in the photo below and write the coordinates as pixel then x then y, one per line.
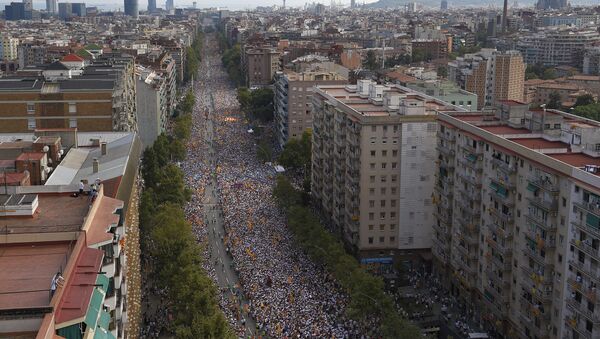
pixel 586 248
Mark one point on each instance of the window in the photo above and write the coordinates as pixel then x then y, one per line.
pixel 381 240
pixel 392 227
pixel 371 203
pixel 31 123
pixel 30 108
pixel 370 240
pixel 556 126
pixel 392 239
pixel 394 165
pixel 384 153
pixel 371 216
pixel 371 191
pixel 383 178
pixel 393 215
pixel 382 215
pixel 393 203
pixel 546 126
pixel 372 153
pixel 383 191
pixel 72 108
pixel 395 153
pixel 372 165
pixel 382 227
pixel 382 202
pixel 383 165
pixel 72 123
pixel 394 177
pixel 371 227
pixel 372 178
pixel 393 190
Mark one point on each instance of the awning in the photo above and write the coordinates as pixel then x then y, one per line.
pixel 494 186
pixel 532 188
pixel 102 331
pixel 502 191
pixel 91 317
pixel 102 280
pixel 472 157
pixel 592 221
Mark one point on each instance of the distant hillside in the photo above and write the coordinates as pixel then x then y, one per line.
pixel 436 3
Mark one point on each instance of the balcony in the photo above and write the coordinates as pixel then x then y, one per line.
pixel 544 224
pixel 503 264
pixel 440 254
pixel 443 216
pixel 586 248
pixel 446 136
pixel 505 250
pixel 535 255
pixel 460 265
pixel 535 278
pixel 502 165
pixel 470 194
pixel 445 150
pixel 578 307
pixel 542 183
pixel 109 267
pixel 595 232
pixel 470 238
pixel 548 206
pixel 590 207
pixel 442 229
pixel 503 282
pixel 472 162
pixel 592 273
pixel 507 218
pixel 500 231
pixel 578 326
pixel 582 287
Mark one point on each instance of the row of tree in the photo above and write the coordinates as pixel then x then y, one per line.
pixel 192 56
pixel 169 241
pixel 369 303
pixel 258 104
pixel 231 60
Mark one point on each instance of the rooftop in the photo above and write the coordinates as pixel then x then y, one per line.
pixel 31 268
pixel 49 216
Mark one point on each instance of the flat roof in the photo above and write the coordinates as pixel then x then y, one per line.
pixel 505 130
pixel 539 143
pixel 55 213
pixel 28 271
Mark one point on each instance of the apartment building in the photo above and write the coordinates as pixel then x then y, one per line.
pixel 373 147
pixel 152 114
pixel 31 54
pixel 591 60
pixel 517 219
pixel 293 100
pixel 8 47
pixel 490 74
pixel 446 91
pixel 555 46
pixel 63 264
pixel 259 65
pixel 162 63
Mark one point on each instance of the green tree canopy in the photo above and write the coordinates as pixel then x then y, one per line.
pixel 554 101
pixel 584 100
pixel 370 61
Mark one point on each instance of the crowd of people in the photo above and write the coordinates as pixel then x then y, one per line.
pixel 285 294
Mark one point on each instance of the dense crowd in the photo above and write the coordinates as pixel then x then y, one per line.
pixel 287 294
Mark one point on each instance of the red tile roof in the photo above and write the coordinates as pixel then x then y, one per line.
pixel 504 130
pixel 72 57
pixel 80 286
pixel 539 143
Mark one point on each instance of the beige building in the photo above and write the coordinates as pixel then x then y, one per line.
pixel 372 165
pixel 517 233
pixel 8 47
pixel 259 65
pixel 490 74
pixel 293 100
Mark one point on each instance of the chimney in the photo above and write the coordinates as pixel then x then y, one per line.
pixel 96 165
pixel 103 147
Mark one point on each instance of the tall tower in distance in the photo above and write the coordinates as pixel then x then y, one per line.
pixel 444 5
pixel 283 3
pixel 51 6
pixel 169 6
pixel 151 6
pixel 131 8
pixel 28 5
pixel 504 16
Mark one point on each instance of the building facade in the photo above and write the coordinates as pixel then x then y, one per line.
pixel 516 231
pixel 259 65
pixel 490 74
pixel 293 100
pixel 371 166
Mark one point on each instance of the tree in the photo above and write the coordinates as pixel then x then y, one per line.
pixel 584 100
pixel 370 61
pixel 442 71
pixel 285 193
pixel 591 111
pixel 418 55
pixel 554 101
pixel 548 74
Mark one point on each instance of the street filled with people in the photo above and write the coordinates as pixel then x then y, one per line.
pixel 279 289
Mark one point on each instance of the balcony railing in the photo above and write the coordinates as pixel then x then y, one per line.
pixel 576 285
pixel 548 206
pixel 590 207
pixel 578 326
pixel 586 248
pixel 500 231
pixel 577 307
pixel 543 183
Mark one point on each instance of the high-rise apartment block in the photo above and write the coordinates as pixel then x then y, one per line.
pixel 8 47
pixel 51 6
pixel 259 65
pixel 490 74
pixel 131 8
pixel 372 173
pixel 293 101
pixel 517 230
pixel 551 4
pixel 151 6
pixel 555 46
